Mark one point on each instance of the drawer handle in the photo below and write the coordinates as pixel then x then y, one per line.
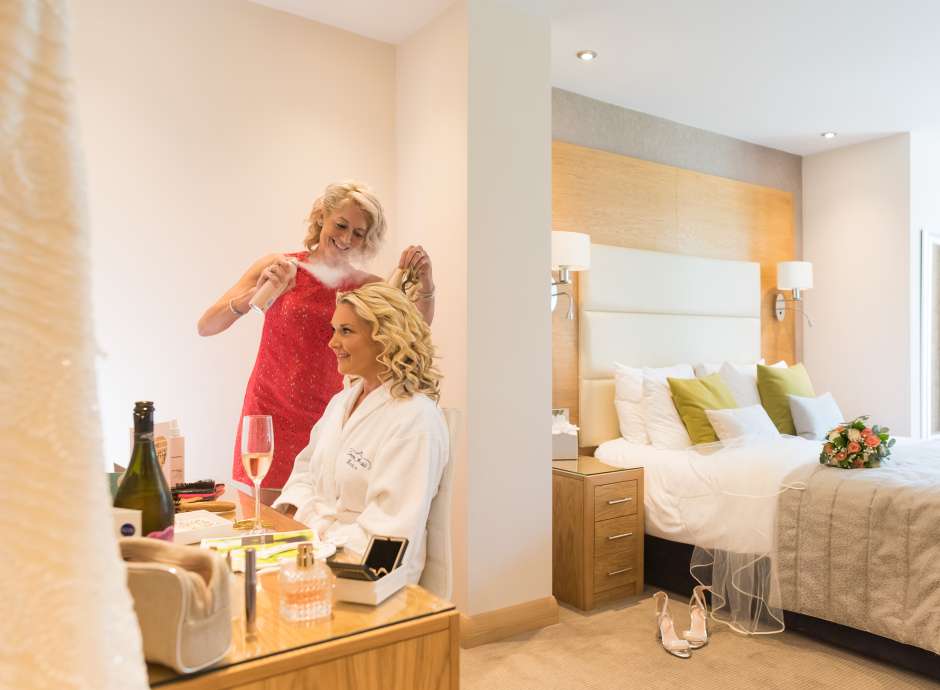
pixel 619 500
pixel 620 536
pixel 617 572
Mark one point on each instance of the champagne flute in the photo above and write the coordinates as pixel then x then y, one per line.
pixel 257 453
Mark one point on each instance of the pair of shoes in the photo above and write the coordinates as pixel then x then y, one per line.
pixel 697 634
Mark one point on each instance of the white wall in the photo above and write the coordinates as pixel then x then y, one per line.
pixel 857 231
pixel 509 545
pixel 431 112
pixel 208 129
pixel 474 187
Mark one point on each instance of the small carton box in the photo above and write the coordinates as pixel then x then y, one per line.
pixel 126 522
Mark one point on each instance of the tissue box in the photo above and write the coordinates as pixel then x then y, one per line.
pixel 565 446
pixel 371 593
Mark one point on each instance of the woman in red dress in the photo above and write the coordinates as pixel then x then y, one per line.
pixel 295 371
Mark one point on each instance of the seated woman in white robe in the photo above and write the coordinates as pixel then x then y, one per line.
pixel 376 456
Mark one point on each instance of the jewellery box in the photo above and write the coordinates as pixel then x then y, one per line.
pixel 377 577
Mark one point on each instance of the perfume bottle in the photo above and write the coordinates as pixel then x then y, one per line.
pixel 306 587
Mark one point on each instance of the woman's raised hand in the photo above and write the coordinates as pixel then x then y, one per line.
pixel 278 272
pixel 417 259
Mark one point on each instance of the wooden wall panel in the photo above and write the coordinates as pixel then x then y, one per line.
pixel 628 202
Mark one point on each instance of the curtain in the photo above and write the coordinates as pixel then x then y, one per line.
pixel 68 620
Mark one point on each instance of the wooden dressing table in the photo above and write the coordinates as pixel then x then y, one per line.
pixel 409 642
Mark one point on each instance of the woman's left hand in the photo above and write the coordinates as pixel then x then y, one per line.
pixel 416 258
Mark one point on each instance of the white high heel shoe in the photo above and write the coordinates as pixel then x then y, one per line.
pixel 697 634
pixel 666 631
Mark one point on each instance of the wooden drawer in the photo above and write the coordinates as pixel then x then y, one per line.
pixel 615 569
pixel 615 536
pixel 614 500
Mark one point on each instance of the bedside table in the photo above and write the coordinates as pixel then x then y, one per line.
pixel 597 532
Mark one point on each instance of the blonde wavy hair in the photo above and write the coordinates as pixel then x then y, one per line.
pixel 407 356
pixel 334 195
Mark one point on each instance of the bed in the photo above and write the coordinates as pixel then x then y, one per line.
pixel 858 553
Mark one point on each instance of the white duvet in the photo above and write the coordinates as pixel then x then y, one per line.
pixel 725 496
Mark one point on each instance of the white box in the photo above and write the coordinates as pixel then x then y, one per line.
pixel 371 593
pixel 565 446
pixel 171 450
pixel 195 525
pixel 126 522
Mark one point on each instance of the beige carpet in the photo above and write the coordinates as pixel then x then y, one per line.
pixel 615 647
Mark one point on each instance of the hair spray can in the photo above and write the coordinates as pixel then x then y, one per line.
pixel 268 292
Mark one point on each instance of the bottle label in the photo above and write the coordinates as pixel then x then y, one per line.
pixel 165 534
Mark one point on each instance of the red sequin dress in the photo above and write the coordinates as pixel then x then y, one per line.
pixel 295 371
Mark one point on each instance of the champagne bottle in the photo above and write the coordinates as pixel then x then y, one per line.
pixel 144 487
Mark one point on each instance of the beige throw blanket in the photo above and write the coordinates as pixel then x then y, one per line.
pixel 862 547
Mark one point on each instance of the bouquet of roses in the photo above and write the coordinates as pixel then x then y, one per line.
pixel 855 444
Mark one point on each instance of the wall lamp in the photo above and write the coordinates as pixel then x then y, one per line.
pixel 571 251
pixel 795 276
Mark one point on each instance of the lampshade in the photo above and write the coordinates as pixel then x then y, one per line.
pixel 571 250
pixel 794 275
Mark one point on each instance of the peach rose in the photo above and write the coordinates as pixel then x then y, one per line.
pixel 871 441
pixel 866 432
pixel 828 449
pixel 858 462
pixel 853 447
pixel 840 456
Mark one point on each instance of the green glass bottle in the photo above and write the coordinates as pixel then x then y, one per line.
pixel 144 487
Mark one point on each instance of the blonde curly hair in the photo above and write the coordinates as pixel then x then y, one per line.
pixel 407 356
pixel 334 195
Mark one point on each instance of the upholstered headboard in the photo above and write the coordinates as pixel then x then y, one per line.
pixel 643 308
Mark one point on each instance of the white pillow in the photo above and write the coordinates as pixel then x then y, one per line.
pixel 704 369
pixel 741 380
pixel 628 401
pixel 663 424
pixel 740 422
pixel 815 417
pixel 708 368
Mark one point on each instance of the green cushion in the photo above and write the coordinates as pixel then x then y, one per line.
pixel 693 396
pixel 774 385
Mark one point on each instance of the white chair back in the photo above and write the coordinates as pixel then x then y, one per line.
pixel 438 575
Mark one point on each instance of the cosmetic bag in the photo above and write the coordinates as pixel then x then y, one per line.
pixel 181 598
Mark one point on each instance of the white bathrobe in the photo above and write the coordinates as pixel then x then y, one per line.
pixel 372 472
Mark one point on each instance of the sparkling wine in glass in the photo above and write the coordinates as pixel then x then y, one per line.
pixel 257 453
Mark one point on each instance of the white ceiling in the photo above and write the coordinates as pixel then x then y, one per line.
pixel 773 72
pixel 391 21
